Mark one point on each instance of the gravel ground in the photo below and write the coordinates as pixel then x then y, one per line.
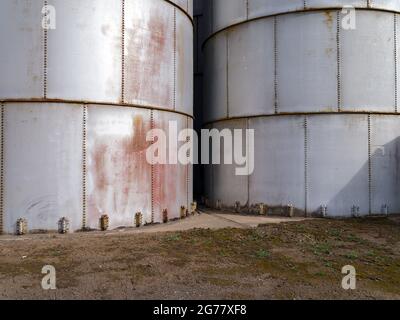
pixel 228 258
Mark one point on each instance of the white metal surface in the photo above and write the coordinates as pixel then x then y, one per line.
pixel 169 180
pixel 149 53
pixel 338 163
pixel 261 8
pixel 21 58
pixel 227 186
pixel 279 175
pixel 307 62
pixel 43 165
pixel 297 65
pixel 84 51
pixel 215 73
pixel 184 66
pixel 119 177
pixel 385 163
pixel 392 5
pixel 251 72
pixel 225 13
pixel 368 64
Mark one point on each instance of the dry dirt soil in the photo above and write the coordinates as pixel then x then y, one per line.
pixel 294 260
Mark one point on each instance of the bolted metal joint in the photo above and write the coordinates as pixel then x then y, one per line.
pixel 165 216
pixel 21 227
pixel 138 219
pixel 355 212
pixel 104 222
pixel 183 212
pixel 193 207
pixel 324 211
pixel 385 210
pixel 237 206
pixel 63 225
pixel 290 210
pixel 263 209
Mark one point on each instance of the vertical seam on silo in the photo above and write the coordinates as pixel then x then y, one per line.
pixel 2 170
pixel 396 79
pixel 247 9
pixel 305 4
pixel 227 74
pixel 45 59
pixel 339 85
pixel 152 166
pixel 123 52
pixel 369 166
pixel 84 167
pixel 175 47
pixel 305 165
pixel 187 166
pixel 248 166
pixel 275 65
pixel 211 195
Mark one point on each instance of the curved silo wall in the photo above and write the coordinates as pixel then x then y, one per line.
pixel 323 102
pixel 77 102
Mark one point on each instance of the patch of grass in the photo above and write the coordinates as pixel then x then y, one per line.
pixel 322 249
pixel 173 237
pixel 351 255
pixel 262 254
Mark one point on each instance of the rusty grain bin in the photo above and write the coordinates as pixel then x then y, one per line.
pixel 323 100
pixel 77 102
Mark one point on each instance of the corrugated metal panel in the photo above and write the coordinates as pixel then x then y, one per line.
pixel 392 5
pixel 368 64
pixel 279 175
pixel 261 8
pixel 149 53
pixel 43 165
pixel 190 181
pixel 251 68
pixel 307 62
pixel 385 162
pixel 169 181
pixel 119 177
pixel 397 30
pixel 227 186
pixel 227 13
pixel 184 65
pixel 185 5
pixel 320 4
pixel 338 163
pixel 215 71
pixel 84 51
pixel 21 59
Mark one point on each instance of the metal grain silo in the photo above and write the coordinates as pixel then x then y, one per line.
pixel 323 100
pixel 77 102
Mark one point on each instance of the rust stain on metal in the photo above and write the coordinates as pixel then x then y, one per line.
pixel 328 18
pixel 148 54
pixel 120 167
